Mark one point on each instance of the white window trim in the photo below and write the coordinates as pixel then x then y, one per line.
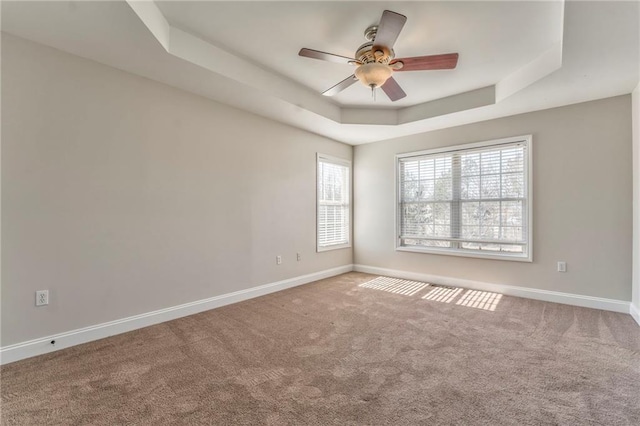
pixel 343 162
pixel 496 256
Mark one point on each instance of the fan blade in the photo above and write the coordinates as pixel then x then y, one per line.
pixel 434 62
pixel 340 86
pixel 324 56
pixel 389 29
pixel 393 89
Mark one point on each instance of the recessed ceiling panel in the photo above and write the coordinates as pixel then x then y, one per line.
pixel 493 39
pixel 498 42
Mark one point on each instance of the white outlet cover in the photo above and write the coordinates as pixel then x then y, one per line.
pixel 42 297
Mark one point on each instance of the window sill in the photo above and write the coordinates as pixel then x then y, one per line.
pixel 334 247
pixel 477 255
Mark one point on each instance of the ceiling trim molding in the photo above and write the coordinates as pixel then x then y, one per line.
pixel 154 20
pixel 449 105
pixel 266 83
pixel 204 54
pixel 542 66
pixel 267 87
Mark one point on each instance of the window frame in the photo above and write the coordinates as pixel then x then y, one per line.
pixel 347 164
pixel 528 257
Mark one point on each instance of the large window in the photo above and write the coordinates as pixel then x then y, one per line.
pixel 333 210
pixel 470 200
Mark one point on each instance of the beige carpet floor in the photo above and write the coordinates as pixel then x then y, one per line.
pixel 351 350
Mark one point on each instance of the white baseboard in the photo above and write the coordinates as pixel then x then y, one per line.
pixel 43 345
pixel 635 312
pixel 529 293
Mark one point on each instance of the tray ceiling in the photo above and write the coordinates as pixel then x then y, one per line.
pixel 514 56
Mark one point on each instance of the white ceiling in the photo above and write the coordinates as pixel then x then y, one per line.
pixel 524 56
pixel 493 40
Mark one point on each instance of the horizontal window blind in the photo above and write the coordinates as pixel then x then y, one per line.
pixel 466 199
pixel 333 209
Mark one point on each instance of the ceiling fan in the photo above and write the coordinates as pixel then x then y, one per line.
pixel 376 62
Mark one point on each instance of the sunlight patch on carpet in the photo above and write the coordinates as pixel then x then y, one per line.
pixel 480 299
pixel 442 294
pixel 395 285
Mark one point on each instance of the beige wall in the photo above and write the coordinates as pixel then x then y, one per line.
pixel 122 196
pixel 635 96
pixel 582 211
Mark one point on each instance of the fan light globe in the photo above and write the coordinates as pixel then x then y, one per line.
pixel 373 74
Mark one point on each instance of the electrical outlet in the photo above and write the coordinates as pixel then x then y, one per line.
pixel 278 260
pixel 299 257
pixel 562 266
pixel 42 297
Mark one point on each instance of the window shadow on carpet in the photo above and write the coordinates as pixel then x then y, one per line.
pixel 443 294
pixel 395 285
pixel 480 299
pixel 484 300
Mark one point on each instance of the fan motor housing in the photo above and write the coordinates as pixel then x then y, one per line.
pixel 368 53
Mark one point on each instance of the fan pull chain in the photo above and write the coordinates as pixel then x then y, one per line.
pixel 373 92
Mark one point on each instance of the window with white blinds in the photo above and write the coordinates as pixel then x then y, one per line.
pixel 470 200
pixel 333 206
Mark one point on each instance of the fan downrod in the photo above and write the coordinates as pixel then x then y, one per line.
pixel 370 33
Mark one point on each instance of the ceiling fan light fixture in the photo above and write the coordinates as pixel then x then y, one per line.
pixel 373 74
pixel 376 60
